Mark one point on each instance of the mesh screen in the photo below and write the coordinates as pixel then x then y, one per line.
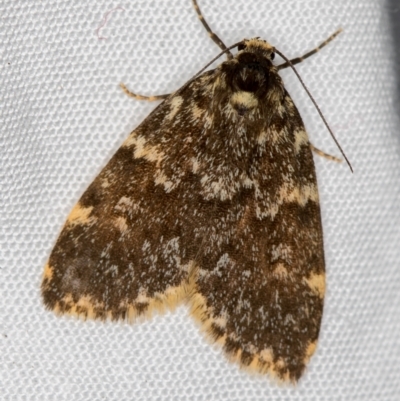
pixel 63 116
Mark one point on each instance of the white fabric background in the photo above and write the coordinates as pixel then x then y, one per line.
pixel 63 116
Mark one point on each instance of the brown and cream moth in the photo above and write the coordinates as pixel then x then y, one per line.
pixel 212 201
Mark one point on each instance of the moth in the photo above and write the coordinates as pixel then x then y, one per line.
pixel 212 201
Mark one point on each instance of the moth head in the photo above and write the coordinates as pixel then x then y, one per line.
pixel 258 46
pixel 249 74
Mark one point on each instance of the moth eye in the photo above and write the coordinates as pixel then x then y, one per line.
pixel 272 56
pixel 242 46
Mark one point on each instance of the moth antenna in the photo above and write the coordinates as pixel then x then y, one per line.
pixel 218 56
pixel 316 106
pixel 212 35
pixel 312 52
pixel 209 63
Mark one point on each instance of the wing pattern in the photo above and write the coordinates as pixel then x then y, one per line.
pixel 212 200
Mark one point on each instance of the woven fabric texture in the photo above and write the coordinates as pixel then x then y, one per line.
pixel 63 116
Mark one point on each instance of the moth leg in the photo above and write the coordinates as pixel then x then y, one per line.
pixel 298 60
pixel 141 97
pixel 326 155
pixel 212 35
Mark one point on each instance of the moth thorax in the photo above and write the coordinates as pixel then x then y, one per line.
pixel 243 102
pixel 249 81
pixel 251 73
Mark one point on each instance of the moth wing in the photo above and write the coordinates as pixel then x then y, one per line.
pixel 119 254
pixel 261 281
pixel 209 201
